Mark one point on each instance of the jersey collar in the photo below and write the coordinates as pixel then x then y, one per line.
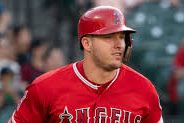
pixel 85 81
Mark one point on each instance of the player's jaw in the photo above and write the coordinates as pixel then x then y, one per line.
pixel 108 62
pixel 114 61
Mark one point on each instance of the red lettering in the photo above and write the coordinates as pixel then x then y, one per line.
pixel 126 117
pixel 82 115
pixel 137 119
pixel 115 115
pixel 100 115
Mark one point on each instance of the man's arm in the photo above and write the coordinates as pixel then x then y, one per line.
pixel 30 109
pixel 155 109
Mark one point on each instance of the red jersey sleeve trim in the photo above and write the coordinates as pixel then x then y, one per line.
pixel 161 120
pixel 12 120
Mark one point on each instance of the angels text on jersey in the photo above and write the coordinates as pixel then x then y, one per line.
pixel 100 116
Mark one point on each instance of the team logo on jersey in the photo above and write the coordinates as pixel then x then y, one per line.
pixel 100 115
pixel 117 19
pixel 65 117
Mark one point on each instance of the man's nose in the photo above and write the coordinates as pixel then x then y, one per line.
pixel 119 42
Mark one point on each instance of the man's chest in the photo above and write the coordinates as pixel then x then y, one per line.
pixel 84 107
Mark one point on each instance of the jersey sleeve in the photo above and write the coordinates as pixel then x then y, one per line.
pixel 30 109
pixel 155 109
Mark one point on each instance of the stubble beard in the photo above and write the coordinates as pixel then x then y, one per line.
pixel 104 65
pixel 112 67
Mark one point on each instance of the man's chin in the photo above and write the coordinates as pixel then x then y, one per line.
pixel 118 64
pixel 114 66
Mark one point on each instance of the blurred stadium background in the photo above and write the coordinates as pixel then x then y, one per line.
pixel 160 30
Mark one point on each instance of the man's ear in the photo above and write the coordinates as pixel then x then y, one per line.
pixel 86 43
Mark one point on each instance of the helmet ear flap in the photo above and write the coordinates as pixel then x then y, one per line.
pixel 128 47
pixel 127 54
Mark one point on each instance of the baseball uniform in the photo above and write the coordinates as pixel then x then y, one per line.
pixel 65 95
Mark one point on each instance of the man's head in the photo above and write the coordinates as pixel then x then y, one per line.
pixel 104 20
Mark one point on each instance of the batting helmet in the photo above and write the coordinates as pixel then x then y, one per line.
pixel 105 20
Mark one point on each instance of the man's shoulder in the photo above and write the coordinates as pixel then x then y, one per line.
pixel 135 77
pixel 53 75
pixel 49 85
pixel 138 81
pixel 133 73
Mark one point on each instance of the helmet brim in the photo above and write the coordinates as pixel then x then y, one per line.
pixel 113 29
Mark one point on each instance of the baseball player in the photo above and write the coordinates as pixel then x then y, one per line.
pixel 97 89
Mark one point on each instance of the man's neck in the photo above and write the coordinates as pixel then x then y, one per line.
pixel 96 74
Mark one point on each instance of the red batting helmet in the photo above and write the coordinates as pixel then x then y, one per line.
pixel 105 20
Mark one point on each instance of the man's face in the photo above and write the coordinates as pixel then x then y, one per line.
pixel 107 50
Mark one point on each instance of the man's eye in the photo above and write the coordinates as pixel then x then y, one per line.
pixel 108 36
pixel 122 37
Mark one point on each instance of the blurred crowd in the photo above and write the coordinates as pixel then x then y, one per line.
pixel 176 83
pixel 23 57
pixel 127 5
